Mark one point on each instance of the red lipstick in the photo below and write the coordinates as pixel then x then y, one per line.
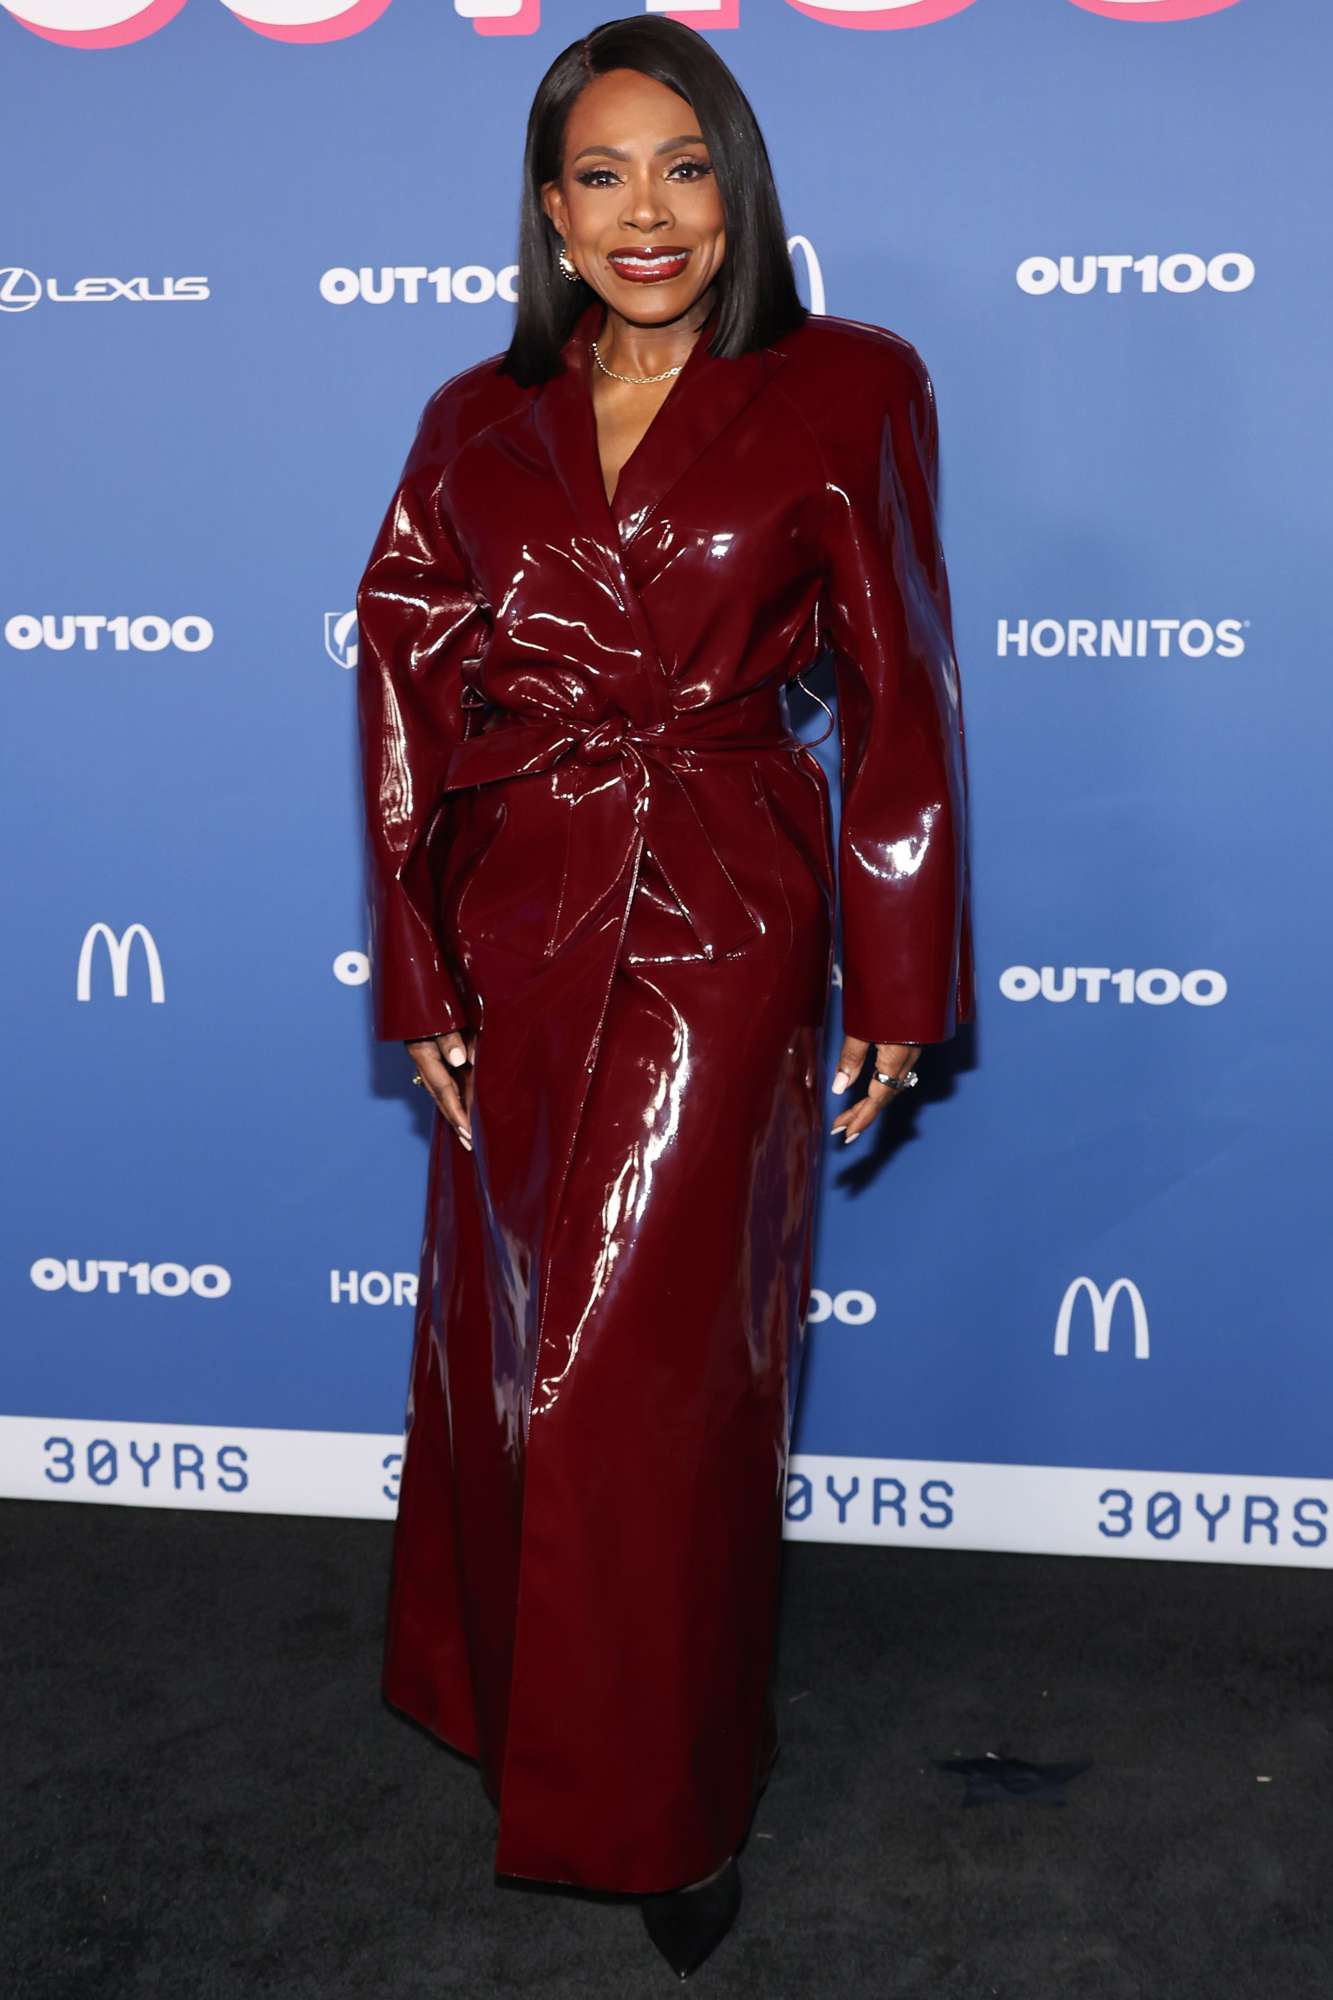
pixel 640 266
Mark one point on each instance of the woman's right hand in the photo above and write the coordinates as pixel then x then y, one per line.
pixel 439 1059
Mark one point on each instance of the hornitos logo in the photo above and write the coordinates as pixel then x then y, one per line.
pixel 118 951
pixel 109 24
pixel 95 631
pixel 1156 987
pixel 340 638
pixel 21 290
pixel 1119 638
pixel 118 1274
pixel 373 1288
pixel 1103 1306
pixel 1114 272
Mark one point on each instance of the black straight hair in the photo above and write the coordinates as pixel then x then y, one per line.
pixel 756 290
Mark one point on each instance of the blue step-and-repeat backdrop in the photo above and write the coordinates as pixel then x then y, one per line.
pixel 1077 1304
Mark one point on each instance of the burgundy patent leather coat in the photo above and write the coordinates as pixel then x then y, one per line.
pixel 594 838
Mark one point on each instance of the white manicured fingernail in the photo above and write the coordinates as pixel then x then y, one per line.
pixel 847 1137
pixel 456 1057
pixel 840 1082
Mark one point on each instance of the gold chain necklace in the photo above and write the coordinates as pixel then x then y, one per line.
pixel 634 378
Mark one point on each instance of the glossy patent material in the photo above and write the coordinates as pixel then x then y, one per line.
pixel 594 838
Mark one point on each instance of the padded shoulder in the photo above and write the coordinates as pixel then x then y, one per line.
pixel 852 356
pixel 856 385
pixel 467 403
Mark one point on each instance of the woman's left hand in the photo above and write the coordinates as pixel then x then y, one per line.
pixel 893 1058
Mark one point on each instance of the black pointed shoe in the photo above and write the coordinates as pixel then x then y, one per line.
pixel 685 1924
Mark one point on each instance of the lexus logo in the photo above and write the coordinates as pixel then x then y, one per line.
pixel 1103 1312
pixel 118 950
pixel 21 290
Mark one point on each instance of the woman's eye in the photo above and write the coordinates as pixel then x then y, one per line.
pixel 600 176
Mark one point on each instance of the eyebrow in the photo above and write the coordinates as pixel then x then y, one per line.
pixel 618 152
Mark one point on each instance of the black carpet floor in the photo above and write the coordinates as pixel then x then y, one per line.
pixel 205 1797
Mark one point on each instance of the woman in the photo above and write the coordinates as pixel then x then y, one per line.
pixel 602 882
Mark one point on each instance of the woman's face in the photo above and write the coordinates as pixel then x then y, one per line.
pixel 636 183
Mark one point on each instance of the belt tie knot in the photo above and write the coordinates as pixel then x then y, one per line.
pixel 602 743
pixel 671 816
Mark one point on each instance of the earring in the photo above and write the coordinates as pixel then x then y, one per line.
pixel 566 267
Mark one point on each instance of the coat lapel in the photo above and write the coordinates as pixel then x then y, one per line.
pixel 702 401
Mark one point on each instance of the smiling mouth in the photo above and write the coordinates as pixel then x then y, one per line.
pixel 651 265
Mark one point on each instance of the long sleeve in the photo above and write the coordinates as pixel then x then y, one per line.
pixel 418 619
pixel 902 851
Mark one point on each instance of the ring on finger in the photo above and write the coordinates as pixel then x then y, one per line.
pixel 903 1082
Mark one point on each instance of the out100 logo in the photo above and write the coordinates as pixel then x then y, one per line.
pixel 110 24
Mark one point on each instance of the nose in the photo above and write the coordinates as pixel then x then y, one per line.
pixel 602 743
pixel 646 206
